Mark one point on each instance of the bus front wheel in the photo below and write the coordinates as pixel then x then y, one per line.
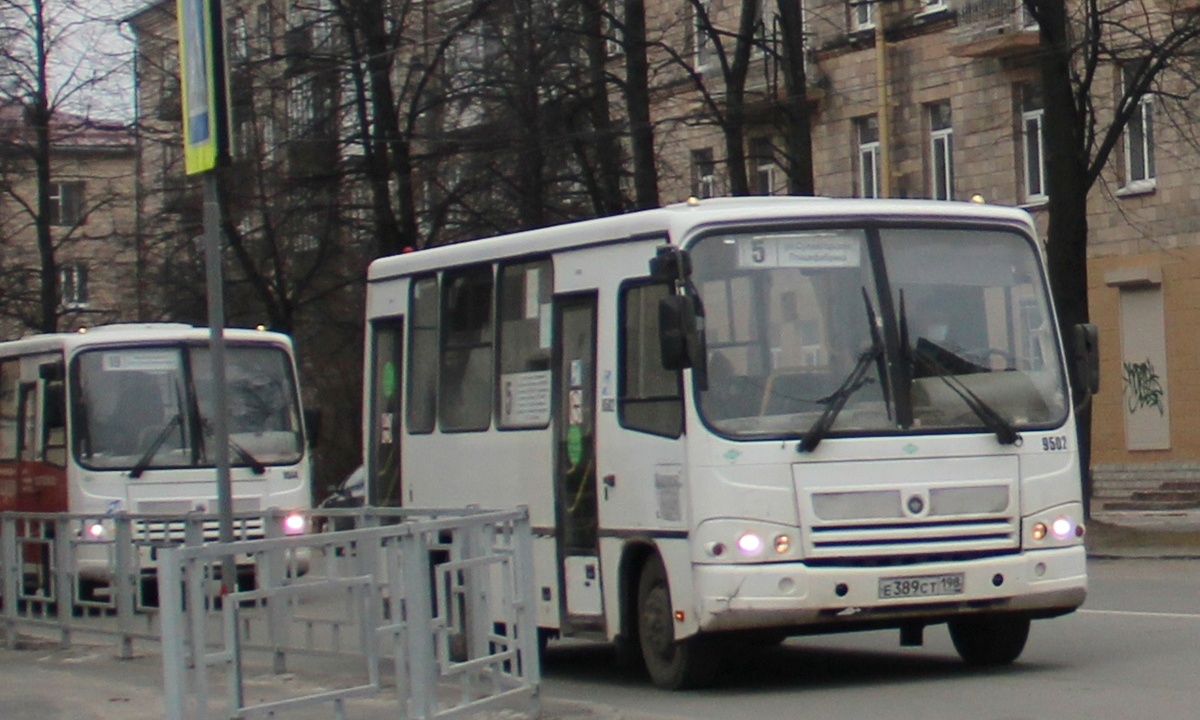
pixel 989 640
pixel 672 664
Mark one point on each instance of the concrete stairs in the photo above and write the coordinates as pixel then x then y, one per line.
pixel 1162 488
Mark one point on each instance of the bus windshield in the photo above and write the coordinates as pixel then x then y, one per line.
pixel 150 406
pixel 821 331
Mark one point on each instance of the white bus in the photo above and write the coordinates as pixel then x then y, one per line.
pixel 117 419
pixel 744 419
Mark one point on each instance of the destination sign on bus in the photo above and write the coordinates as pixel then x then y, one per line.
pixel 800 250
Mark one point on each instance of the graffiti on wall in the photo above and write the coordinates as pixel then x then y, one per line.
pixel 1142 386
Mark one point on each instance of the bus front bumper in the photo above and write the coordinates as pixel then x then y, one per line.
pixel 1041 583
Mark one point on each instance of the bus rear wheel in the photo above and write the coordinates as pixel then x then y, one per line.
pixel 989 640
pixel 672 664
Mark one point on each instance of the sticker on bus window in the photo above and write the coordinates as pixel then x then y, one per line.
pixel 525 399
pixel 800 250
pixel 141 360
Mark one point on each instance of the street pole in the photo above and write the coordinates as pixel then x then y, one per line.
pixel 216 355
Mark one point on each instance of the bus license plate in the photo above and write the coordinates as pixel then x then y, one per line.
pixel 921 586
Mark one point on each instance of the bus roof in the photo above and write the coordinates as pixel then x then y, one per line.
pixel 132 334
pixel 675 221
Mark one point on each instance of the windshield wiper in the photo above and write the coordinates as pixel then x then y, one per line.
pixel 243 454
pixel 144 462
pixel 1005 433
pixel 837 399
pixel 255 464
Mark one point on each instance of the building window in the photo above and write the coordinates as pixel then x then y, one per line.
pixel 702 43
pixel 766 176
pixel 301 108
pixel 941 151
pixel 862 14
pixel 1033 142
pixel 66 203
pixel 1139 141
pixel 73 285
pixel 867 130
pixel 614 40
pixel 704 173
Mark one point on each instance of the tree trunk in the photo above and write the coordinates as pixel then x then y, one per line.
pixel 1067 183
pixel 797 134
pixel 637 100
pixel 38 116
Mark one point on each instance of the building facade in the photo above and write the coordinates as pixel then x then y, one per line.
pixel 91 223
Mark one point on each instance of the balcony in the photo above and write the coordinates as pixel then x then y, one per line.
pixel 992 29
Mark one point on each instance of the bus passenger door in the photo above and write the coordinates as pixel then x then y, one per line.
pixel 575 458
pixel 384 486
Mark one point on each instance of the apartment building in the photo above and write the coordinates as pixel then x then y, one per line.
pixel 91 223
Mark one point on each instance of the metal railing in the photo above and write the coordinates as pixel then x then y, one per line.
pixel 435 607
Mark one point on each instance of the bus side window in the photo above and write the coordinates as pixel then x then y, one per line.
pixel 54 416
pixel 650 396
pixel 423 356
pixel 9 375
pixel 465 379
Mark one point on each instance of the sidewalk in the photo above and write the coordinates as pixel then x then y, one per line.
pixel 42 681
pixel 1144 535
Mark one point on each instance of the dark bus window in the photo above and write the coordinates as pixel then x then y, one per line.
pixel 423 356
pixel 523 384
pixel 10 371
pixel 465 377
pixel 651 397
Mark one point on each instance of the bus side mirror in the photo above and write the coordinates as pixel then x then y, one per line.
pixel 1085 350
pixel 673 319
pixel 312 423
pixel 681 337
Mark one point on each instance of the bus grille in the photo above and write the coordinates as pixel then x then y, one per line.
pixel 912 543
pixel 174 532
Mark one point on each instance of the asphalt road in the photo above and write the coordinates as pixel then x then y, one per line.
pixel 1130 652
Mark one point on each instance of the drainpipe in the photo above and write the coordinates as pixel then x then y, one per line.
pixel 881 88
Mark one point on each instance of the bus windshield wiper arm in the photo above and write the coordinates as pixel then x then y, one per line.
pixel 1005 433
pixel 144 462
pixel 836 400
pixel 244 455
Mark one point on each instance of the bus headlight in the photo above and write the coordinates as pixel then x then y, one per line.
pixel 745 541
pixel 1062 528
pixel 750 544
pixel 1058 526
pixel 96 531
pixel 295 524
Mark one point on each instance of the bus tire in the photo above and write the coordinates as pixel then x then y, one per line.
pixel 989 640
pixel 672 664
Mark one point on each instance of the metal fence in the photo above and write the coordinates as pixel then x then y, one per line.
pixel 436 606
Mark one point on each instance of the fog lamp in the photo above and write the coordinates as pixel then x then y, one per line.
pixel 1062 528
